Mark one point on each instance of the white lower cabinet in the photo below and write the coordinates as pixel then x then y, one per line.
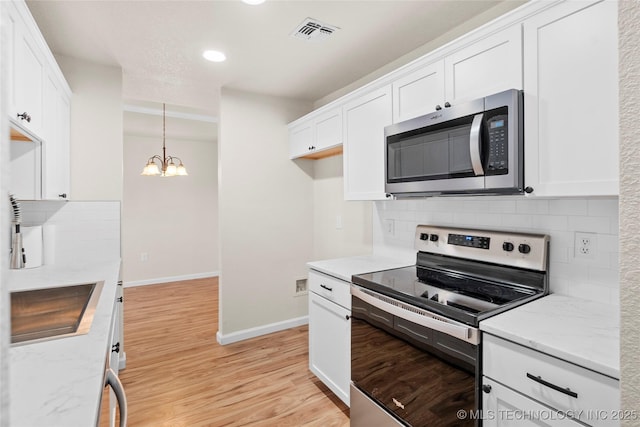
pixel 527 386
pixel 503 407
pixel 330 333
pixel 116 355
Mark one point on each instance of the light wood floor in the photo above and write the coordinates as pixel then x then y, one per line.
pixel 178 375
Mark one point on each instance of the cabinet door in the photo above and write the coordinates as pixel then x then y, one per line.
pixel 364 121
pixel 504 407
pixel 571 100
pixel 56 142
pixel 328 129
pixel 25 179
pixel 487 66
pixel 300 140
pixel 330 344
pixel 27 73
pixel 419 92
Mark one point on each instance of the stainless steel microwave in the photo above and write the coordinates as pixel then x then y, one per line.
pixel 471 148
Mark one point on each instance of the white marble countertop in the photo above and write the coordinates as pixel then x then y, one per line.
pixel 344 268
pixel 59 383
pixel 586 333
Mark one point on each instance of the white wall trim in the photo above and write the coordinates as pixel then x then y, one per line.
pixel 261 330
pixel 158 280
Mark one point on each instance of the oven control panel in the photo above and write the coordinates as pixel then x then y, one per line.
pixel 516 249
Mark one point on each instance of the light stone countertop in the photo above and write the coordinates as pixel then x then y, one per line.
pixel 344 268
pixel 583 332
pixel 59 383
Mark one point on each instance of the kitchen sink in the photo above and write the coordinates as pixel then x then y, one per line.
pixel 44 314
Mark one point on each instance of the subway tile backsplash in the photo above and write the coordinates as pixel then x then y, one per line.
pixel 394 224
pixel 76 232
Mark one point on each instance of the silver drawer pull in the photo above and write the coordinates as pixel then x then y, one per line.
pixel 539 380
pixel 327 288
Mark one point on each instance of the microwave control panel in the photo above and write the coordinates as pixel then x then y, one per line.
pixel 498 155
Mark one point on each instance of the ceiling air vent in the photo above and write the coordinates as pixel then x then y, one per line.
pixel 312 29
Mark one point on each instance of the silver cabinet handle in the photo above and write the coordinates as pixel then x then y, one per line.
pixel 112 380
pixel 475 143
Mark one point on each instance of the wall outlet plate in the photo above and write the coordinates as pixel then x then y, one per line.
pixel 585 245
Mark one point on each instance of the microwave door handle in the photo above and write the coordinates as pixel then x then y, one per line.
pixel 475 143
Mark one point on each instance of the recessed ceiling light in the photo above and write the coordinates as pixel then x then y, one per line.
pixel 214 56
pixel 253 2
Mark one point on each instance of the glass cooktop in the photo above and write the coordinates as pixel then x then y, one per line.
pixel 465 294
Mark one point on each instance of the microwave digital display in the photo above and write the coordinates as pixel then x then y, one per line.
pixel 497 124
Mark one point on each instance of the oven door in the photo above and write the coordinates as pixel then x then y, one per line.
pixel 413 374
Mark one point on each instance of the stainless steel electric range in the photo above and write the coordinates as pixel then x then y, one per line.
pixel 415 341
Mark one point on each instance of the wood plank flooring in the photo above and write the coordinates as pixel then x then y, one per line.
pixel 178 375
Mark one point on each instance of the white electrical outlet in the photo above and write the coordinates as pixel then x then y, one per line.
pixel 144 256
pixel 585 245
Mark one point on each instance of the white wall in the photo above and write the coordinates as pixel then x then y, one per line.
pixel 96 129
pixel 173 220
pixel 265 213
pixel 340 228
pixel 629 51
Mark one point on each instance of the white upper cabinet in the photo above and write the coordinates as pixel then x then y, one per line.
pixel 27 77
pixel 55 162
pixel 486 66
pixel 489 65
pixel 419 92
pixel 38 100
pixel 364 121
pixel 300 139
pixel 571 100
pixel 318 136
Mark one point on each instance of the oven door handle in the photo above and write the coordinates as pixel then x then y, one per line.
pixel 420 317
pixel 111 379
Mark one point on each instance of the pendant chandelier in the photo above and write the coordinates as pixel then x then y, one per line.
pixel 167 165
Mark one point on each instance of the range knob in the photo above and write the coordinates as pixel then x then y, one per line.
pixel 433 237
pixel 507 246
pixel 523 248
pixel 424 236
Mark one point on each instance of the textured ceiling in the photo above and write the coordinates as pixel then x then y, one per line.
pixel 158 44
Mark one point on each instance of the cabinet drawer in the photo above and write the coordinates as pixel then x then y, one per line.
pixel 331 288
pixel 591 397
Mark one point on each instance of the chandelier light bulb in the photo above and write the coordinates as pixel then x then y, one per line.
pixel 182 171
pixel 171 169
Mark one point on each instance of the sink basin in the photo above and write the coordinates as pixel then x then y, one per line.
pixel 44 314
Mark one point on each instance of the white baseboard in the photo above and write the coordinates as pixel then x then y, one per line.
pixel 127 284
pixel 261 330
